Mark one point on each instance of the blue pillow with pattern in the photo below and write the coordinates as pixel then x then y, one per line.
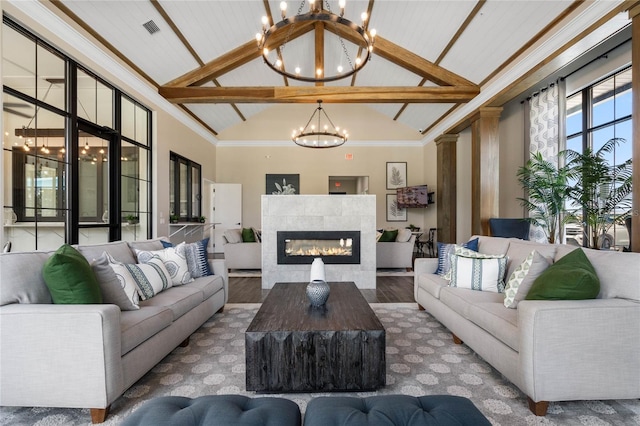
pixel 444 250
pixel 197 257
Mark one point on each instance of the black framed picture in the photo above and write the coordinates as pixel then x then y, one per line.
pixel 278 184
pixel 396 175
pixel 394 213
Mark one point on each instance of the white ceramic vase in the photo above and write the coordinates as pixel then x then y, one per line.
pixel 317 270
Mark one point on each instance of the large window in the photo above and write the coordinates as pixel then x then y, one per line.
pixel 76 151
pixel 185 188
pixel 595 115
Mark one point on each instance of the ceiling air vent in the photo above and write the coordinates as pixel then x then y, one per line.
pixel 151 27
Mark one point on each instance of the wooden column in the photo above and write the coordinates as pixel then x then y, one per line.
pixel 446 202
pixel 485 168
pixel 634 14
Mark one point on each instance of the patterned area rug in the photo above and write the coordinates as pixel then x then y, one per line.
pixel 421 360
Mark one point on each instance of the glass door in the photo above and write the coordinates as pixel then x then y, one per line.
pixel 94 218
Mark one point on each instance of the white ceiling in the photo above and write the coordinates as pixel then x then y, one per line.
pixel 481 50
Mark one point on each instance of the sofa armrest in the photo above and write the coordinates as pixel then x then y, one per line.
pixel 219 267
pixel 60 355
pixel 579 349
pixel 425 265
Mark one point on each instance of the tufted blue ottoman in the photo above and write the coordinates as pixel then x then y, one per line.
pixel 216 410
pixel 393 410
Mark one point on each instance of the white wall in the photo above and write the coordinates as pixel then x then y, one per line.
pixel 248 165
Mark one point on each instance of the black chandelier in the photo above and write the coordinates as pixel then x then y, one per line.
pixel 358 34
pixel 318 135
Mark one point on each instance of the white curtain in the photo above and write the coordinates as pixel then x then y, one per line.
pixel 545 117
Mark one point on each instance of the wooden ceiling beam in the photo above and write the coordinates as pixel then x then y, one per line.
pixel 235 58
pixel 319 46
pixel 311 94
pixel 406 59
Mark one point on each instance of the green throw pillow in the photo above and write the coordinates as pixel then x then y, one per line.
pixel 570 278
pixel 388 236
pixel 248 236
pixel 70 278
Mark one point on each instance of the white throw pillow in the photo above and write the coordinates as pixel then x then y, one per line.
pixel 233 236
pixel 403 236
pixel 149 278
pixel 466 252
pixel 174 259
pixel 484 274
pixel 114 291
pixel 522 278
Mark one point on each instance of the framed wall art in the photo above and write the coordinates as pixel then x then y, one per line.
pixel 394 213
pixel 278 184
pixel 396 175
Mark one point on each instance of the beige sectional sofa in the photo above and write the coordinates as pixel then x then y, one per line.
pixel 86 356
pixel 553 350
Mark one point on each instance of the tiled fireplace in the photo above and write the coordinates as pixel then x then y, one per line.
pixel 339 228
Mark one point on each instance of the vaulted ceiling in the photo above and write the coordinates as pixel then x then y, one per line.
pixel 431 58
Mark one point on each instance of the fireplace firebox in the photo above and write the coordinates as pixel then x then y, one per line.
pixel 301 247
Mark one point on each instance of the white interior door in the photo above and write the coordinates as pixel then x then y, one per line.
pixel 227 210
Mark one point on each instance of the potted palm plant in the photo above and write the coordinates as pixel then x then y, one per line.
pixel 546 187
pixel 602 190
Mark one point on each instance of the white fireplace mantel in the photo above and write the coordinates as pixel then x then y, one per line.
pixel 319 213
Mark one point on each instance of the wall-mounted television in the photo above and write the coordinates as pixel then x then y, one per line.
pixel 413 196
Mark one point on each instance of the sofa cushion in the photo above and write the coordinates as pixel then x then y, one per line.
pixel 148 245
pixel 233 236
pixel 519 250
pixel 500 322
pixel 432 283
pixel 118 250
pixel 445 250
pixel 140 325
pixel 461 299
pixel 208 285
pixel 570 278
pixel 477 273
pixel 493 245
pixel 114 291
pixel 21 279
pixel 388 236
pixel 70 278
pixel 179 300
pixel 522 278
pixel 174 259
pixel 618 273
pixel 248 236
pixel 403 235
pixel 149 278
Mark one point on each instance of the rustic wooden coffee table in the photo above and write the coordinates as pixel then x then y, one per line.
pixel 294 347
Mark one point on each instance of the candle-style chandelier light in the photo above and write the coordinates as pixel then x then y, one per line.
pixel 273 40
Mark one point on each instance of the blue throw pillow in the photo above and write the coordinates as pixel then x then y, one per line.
pixel 197 257
pixel 444 250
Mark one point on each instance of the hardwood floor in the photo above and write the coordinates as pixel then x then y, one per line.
pixel 390 289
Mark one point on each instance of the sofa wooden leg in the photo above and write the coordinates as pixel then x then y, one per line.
pixel 538 408
pixel 219 311
pixel 185 343
pixel 456 339
pixel 99 415
pixel 420 307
